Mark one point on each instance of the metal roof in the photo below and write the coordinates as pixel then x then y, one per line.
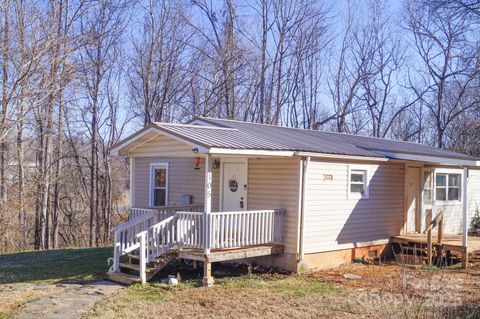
pixel 332 143
pixel 235 135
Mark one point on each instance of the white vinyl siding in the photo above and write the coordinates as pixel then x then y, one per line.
pixel 453 210
pixel 334 221
pixel 274 183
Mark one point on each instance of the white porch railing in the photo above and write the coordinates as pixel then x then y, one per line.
pixel 155 233
pixel 245 228
pixel 139 220
pixel 163 211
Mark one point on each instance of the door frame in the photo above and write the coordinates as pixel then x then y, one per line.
pixel 423 205
pixel 236 160
pixel 418 200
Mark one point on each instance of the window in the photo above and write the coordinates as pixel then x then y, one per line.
pixel 447 187
pixel 159 184
pixel 358 185
pixel 428 187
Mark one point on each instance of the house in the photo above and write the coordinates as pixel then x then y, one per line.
pixel 216 190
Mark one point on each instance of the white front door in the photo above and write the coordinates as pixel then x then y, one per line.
pixel 412 193
pixel 234 186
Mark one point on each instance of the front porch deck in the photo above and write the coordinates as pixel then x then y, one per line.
pixel 449 241
pixel 226 254
pixel 152 238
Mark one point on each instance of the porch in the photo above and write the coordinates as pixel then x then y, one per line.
pixel 153 237
pixel 437 217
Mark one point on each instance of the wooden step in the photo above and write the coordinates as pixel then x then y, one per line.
pixel 158 260
pixel 136 267
pixel 123 278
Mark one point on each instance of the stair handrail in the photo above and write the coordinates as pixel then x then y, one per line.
pixel 122 230
pixel 133 221
pixel 436 222
pixel 149 245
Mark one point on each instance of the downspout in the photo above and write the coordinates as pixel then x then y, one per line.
pixel 305 164
pixel 465 219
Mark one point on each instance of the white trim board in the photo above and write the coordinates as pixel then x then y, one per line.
pixel 150 188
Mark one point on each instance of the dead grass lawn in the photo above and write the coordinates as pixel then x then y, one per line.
pixel 381 292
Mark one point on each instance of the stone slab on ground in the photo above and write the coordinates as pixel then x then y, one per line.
pixel 73 303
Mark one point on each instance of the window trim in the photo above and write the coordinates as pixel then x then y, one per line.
pixel 432 184
pixel 366 192
pixel 153 167
pixel 460 186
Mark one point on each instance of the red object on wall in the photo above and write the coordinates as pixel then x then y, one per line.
pixel 197 162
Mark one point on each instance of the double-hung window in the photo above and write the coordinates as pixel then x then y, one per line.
pixel 447 187
pixel 158 184
pixel 358 183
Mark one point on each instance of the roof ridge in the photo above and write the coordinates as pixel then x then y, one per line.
pixel 194 126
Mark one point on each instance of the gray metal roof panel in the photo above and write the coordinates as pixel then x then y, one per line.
pixel 334 143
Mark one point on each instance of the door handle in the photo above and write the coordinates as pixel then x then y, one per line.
pixel 241 202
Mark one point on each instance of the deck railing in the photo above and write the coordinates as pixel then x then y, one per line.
pixel 245 228
pixel 163 212
pixel 141 219
pixel 156 232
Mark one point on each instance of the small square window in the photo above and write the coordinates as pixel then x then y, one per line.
pixel 358 179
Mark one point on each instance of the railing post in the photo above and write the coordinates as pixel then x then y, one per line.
pixel 143 256
pixel 429 246
pixel 207 203
pixel 116 253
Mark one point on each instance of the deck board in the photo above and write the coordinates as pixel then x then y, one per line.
pixel 449 241
pixel 217 255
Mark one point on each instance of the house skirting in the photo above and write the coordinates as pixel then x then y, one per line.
pixel 330 259
pixel 322 260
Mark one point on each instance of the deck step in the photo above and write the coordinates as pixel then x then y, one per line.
pixel 123 278
pixel 136 267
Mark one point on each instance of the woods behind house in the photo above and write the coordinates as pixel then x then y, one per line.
pixel 78 75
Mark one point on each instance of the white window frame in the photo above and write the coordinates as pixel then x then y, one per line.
pixel 433 194
pixel 366 179
pixel 153 167
pixel 460 186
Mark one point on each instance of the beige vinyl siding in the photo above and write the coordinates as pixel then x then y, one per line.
pixel 335 220
pixel 274 183
pixel 182 179
pixel 162 145
pixel 453 212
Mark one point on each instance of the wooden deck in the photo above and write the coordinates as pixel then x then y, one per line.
pixel 449 242
pixel 227 254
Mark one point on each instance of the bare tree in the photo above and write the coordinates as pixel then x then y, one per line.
pixel 102 24
pixel 158 77
pixel 450 63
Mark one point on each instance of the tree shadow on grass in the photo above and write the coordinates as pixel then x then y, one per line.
pixel 59 265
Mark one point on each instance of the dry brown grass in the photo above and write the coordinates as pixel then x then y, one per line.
pixel 380 293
